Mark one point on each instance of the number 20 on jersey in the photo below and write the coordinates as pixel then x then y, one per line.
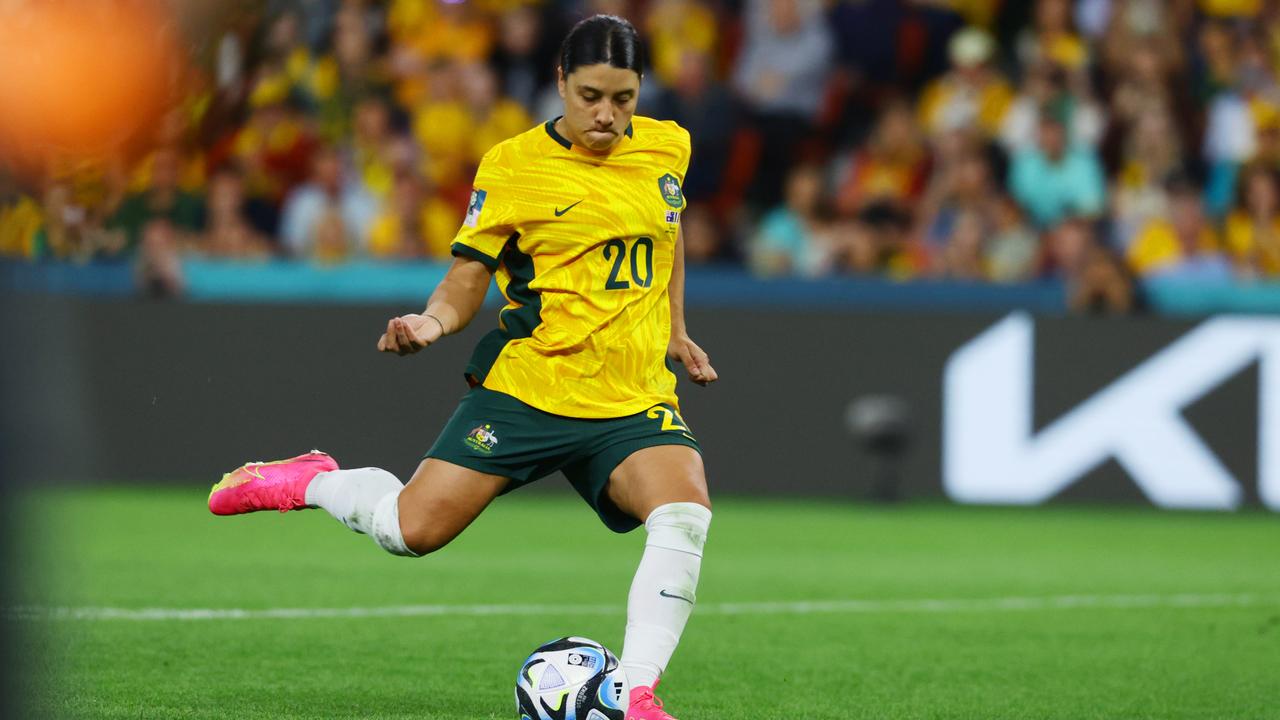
pixel 617 252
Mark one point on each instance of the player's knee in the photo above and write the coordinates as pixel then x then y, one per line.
pixel 699 496
pixel 695 494
pixel 679 526
pixel 423 537
pixel 388 528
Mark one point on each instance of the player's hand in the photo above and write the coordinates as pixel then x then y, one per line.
pixel 408 334
pixel 695 361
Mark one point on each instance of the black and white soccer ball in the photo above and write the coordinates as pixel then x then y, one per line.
pixel 572 678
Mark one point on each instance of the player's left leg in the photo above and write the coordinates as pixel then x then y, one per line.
pixel 665 486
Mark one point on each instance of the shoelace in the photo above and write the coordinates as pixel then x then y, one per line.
pixel 653 700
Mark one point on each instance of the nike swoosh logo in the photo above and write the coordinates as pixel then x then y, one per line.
pixel 560 212
pixel 664 593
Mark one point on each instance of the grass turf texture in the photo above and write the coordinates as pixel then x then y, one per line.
pixel 135 548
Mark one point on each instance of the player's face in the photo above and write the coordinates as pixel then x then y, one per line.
pixel 599 101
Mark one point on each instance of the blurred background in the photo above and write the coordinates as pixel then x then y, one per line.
pixel 941 252
pixel 876 182
pixel 1104 151
pixel 252 187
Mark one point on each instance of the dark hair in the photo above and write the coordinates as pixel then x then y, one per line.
pixel 606 39
pixel 1181 182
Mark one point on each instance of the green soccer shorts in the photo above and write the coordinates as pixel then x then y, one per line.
pixel 496 434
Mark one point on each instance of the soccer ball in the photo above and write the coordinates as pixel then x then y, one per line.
pixel 571 678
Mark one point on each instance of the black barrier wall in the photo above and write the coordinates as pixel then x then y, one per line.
pixel 139 391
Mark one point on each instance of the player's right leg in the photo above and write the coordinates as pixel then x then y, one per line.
pixel 439 502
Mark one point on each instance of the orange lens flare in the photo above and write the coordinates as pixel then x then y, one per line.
pixel 80 77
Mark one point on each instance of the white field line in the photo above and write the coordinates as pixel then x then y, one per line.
pixel 952 605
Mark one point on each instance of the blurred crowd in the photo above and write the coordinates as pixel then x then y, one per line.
pixel 1099 142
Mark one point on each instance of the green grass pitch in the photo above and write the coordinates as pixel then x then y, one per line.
pixel 1197 637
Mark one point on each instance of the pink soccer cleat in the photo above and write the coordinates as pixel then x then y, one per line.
pixel 279 485
pixel 644 706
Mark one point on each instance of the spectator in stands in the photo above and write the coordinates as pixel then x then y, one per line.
pixel 704 240
pixel 890 168
pixel 1230 136
pixel 1095 278
pixel 176 136
pixel 790 238
pixel 430 31
pixel 442 126
pixel 879 240
pixel 337 80
pixel 523 56
pixel 1104 285
pixel 493 118
pixel 703 106
pixel 1141 85
pixel 159 269
pixel 274 149
pixel 228 232
pixel 973 95
pixel 963 254
pixel 371 146
pixel 677 29
pixel 1054 179
pixel 73 229
pixel 1151 155
pixel 1253 228
pixel 867 39
pixel 162 200
pixel 1182 247
pixel 414 222
pixel 1148 24
pixel 961 185
pixel 1067 247
pixel 1013 249
pixel 1048 85
pixel 21 217
pixel 782 75
pixel 284 42
pixel 1052 38
pixel 857 248
pixel 1218 61
pixel 328 217
pixel 1267 129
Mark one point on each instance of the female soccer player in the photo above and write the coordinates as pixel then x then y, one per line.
pixel 578 220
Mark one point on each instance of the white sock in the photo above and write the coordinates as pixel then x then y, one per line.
pixel 663 591
pixel 365 500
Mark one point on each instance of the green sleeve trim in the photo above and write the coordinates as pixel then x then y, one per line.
pixel 470 252
pixel 515 322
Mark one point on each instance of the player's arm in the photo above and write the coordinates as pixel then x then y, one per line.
pixel 682 347
pixel 454 303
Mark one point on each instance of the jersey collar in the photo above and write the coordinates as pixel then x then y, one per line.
pixel 564 142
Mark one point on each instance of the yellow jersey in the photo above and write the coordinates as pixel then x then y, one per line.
pixel 582 246
pixel 1250 248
